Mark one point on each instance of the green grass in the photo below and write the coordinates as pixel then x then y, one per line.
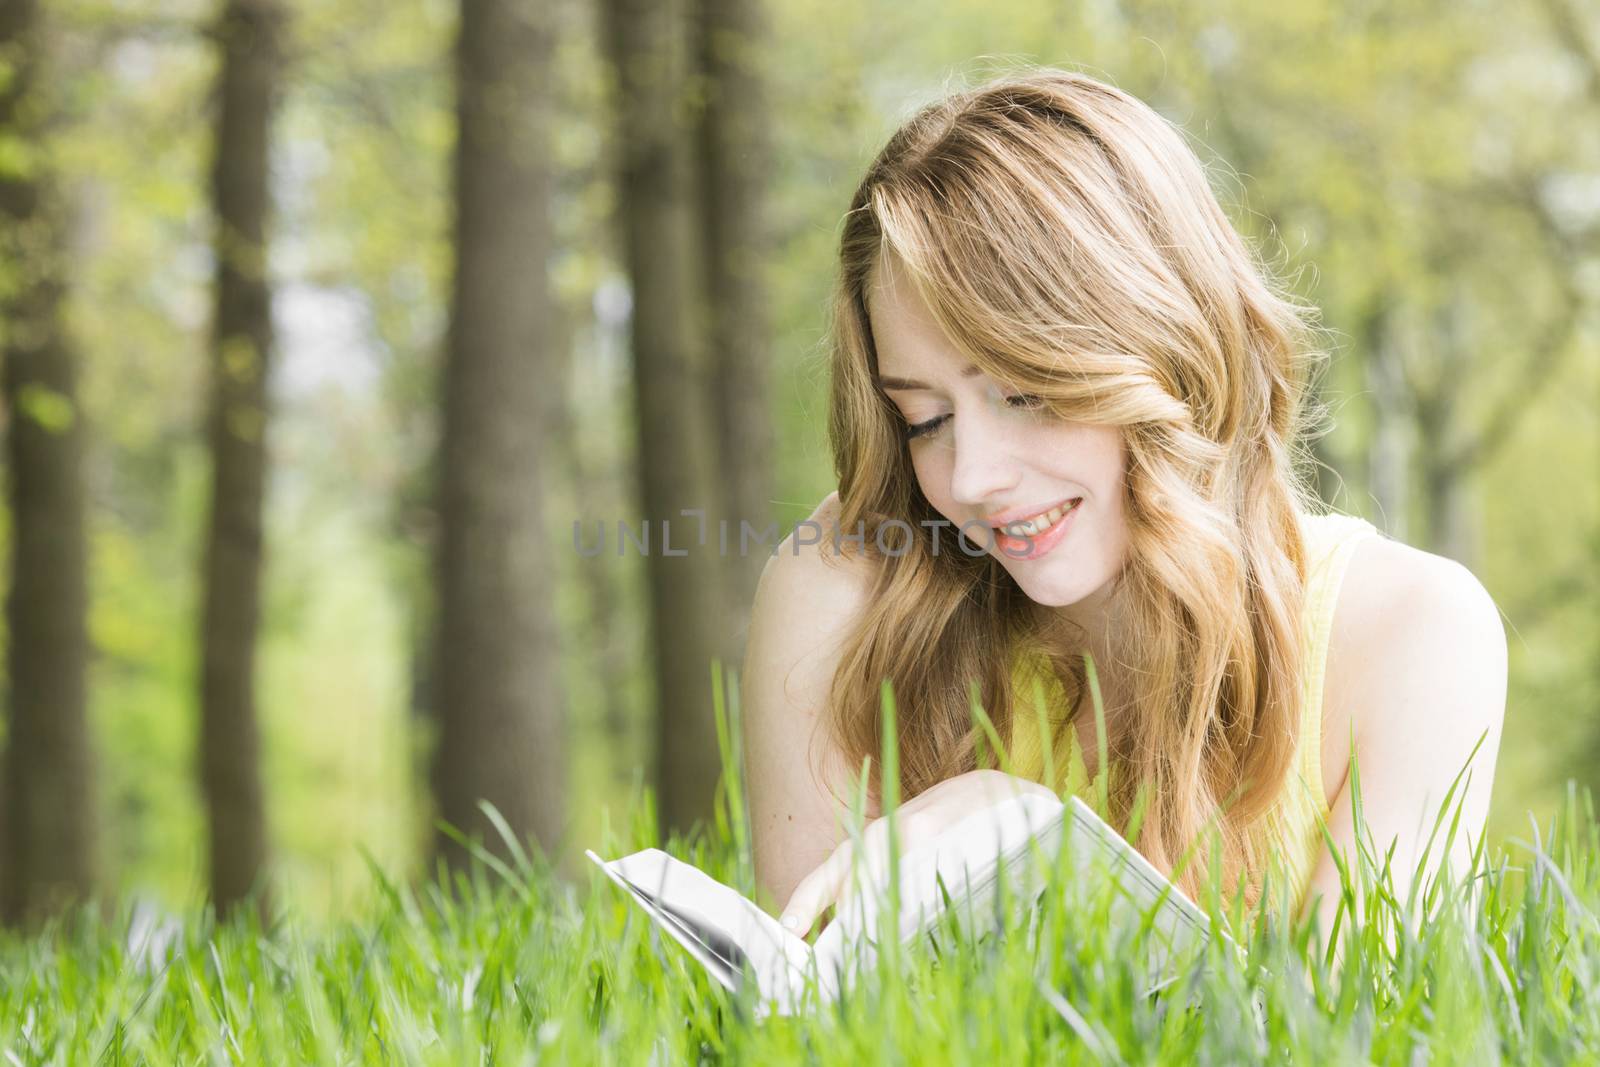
pixel 512 965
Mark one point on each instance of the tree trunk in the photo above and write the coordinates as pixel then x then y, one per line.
pixel 49 857
pixel 1389 458
pixel 502 735
pixel 735 169
pixel 1452 513
pixel 1445 466
pixel 241 353
pixel 604 650
pixel 647 41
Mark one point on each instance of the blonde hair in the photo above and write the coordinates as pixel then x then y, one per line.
pixel 1065 238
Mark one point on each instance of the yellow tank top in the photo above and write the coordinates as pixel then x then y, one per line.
pixel 1291 833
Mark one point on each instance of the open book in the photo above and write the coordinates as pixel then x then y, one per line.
pixel 738 943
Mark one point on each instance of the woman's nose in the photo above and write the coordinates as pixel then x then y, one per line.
pixel 984 464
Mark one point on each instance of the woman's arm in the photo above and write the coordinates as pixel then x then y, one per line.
pixel 1422 663
pixel 804 605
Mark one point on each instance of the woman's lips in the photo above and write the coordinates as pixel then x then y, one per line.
pixel 1032 548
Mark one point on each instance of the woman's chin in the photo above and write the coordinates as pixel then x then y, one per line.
pixel 1044 592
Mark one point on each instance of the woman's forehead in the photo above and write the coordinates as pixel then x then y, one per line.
pixel 905 332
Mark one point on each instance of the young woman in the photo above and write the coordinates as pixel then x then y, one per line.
pixel 1067 415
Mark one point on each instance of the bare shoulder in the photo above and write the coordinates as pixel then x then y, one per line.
pixel 809 571
pixel 806 603
pixel 1392 586
pixel 1417 654
pixel 807 597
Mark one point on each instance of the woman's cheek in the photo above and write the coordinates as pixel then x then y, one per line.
pixel 929 472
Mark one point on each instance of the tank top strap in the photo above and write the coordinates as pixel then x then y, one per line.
pixel 1295 834
pixel 1331 540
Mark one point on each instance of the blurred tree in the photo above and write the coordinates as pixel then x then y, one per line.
pixel 734 173
pixel 249 33
pixel 499 704
pixel 1579 37
pixel 647 41
pixel 376 81
pixel 49 856
pixel 1401 171
pixel 1389 455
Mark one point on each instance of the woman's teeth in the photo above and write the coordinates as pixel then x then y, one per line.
pixel 1040 523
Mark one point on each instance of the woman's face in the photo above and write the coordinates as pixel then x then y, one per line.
pixel 985 456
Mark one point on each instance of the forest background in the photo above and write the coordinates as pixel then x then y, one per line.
pixel 1426 173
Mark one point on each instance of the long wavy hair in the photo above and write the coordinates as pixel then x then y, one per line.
pixel 1065 237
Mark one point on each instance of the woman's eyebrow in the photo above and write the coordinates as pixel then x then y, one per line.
pixel 888 382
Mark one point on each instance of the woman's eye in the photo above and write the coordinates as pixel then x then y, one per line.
pixel 1026 401
pixel 918 429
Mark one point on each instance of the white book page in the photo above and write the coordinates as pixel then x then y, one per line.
pixel 730 935
pixel 970 856
pixel 966 856
pixel 1095 841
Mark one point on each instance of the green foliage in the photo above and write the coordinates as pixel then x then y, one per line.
pixel 50 410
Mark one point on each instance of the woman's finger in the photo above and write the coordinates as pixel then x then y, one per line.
pixel 817 890
pixel 826 884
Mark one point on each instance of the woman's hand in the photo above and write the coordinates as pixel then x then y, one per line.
pixel 917 820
